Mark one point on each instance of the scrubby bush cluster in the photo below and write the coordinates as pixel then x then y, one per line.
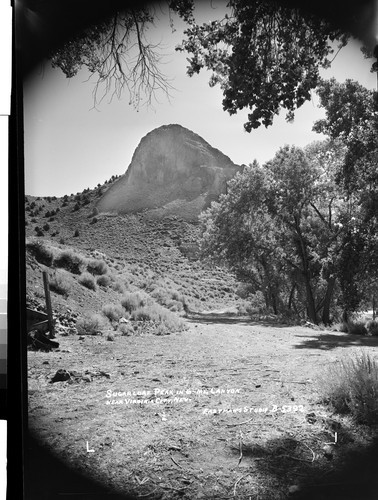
pixel 91 324
pixel 113 311
pixel 372 327
pixel 351 387
pixel 104 280
pixel 171 299
pixel 133 300
pixel 70 261
pixel 41 252
pixel 59 284
pixel 97 267
pixel 86 279
pixel 166 322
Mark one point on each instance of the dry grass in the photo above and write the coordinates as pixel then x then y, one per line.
pixel 91 324
pixel 60 284
pixel 351 387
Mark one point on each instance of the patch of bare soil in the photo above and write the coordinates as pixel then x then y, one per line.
pixel 227 409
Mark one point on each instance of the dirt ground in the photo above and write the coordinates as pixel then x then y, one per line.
pixel 230 409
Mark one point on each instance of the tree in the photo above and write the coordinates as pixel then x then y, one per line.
pixel 352 118
pixel 264 54
pixel 279 227
pixel 118 52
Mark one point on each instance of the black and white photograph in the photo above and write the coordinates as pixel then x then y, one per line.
pixel 199 221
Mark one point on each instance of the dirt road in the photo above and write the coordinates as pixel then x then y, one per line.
pixel 227 409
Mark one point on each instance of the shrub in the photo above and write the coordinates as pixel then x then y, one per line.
pixel 166 322
pixel 60 284
pixel 352 387
pixel 113 311
pixel 104 280
pixel 94 220
pixel 46 227
pixel 70 261
pixel 125 329
pixel 87 280
pixel 372 327
pixel 131 301
pixel 97 267
pixel 42 254
pixel 357 328
pixel 161 295
pixel 175 306
pixel 118 287
pixel 91 324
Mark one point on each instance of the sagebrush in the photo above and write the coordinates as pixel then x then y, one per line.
pixel 60 284
pixel 41 252
pixel 70 261
pixel 87 280
pixel 91 324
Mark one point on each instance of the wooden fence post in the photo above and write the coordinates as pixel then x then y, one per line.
pixel 48 304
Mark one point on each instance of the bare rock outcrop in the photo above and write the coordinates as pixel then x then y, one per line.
pixel 173 172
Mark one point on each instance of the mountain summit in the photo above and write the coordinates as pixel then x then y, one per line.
pixel 173 172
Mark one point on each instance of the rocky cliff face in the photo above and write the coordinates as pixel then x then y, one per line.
pixel 173 172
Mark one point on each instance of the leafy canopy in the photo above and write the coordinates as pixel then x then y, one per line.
pixel 265 55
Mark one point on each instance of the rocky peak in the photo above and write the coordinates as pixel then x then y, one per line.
pixel 173 172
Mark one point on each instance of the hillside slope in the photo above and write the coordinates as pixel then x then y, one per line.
pixel 141 254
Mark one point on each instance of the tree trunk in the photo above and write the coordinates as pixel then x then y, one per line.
pixel 345 320
pixel 291 296
pixel 327 301
pixel 311 310
pixel 274 303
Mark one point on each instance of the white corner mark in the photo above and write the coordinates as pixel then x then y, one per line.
pixel 88 450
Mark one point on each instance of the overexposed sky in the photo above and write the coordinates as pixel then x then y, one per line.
pixel 70 146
